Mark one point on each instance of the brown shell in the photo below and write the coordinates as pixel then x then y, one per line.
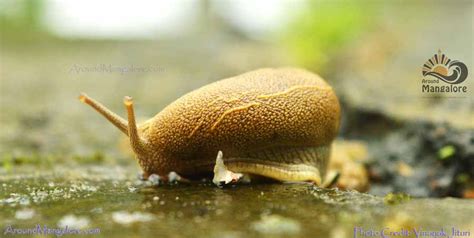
pixel 258 110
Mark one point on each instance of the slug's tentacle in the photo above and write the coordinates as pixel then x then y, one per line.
pixel 137 143
pixel 115 119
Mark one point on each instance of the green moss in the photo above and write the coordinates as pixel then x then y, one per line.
pixel 446 152
pixel 396 198
pixel 462 178
pixel 7 165
pixel 10 160
pixel 95 158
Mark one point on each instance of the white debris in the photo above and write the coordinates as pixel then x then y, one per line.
pixel 39 196
pixel 16 199
pixel 154 179
pixel 24 214
pixel 73 221
pixel 126 218
pixel 82 188
pixel 221 174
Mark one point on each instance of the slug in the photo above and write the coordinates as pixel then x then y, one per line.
pixel 276 123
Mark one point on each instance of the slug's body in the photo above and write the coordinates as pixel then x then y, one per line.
pixel 277 123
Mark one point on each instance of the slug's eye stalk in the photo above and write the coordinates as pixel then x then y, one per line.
pixel 115 119
pixel 138 143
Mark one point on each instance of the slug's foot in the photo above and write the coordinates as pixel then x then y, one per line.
pixel 222 175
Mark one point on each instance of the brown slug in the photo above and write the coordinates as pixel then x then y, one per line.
pixel 275 123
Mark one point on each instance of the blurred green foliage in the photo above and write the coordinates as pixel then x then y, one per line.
pixel 21 13
pixel 324 27
pixel 22 20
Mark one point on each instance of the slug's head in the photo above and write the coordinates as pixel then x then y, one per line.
pixel 138 140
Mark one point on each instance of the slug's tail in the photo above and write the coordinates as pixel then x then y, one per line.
pixel 115 119
pixel 128 128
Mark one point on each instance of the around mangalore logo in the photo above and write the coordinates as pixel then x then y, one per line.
pixel 443 75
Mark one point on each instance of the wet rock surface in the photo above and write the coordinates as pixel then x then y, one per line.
pixel 113 200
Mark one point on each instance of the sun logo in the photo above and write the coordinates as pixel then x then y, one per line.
pixel 439 63
pixel 445 69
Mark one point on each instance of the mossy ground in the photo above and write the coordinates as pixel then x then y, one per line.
pixel 112 199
